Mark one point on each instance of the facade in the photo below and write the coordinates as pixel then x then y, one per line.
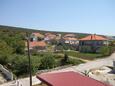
pixel 70 39
pixel 92 43
pixel 49 37
pixel 37 42
pixel 36 36
pixel 37 45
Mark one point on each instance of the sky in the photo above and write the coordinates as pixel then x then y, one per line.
pixel 85 16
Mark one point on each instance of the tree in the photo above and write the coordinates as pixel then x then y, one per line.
pixel 20 47
pixel 47 62
pixel 65 60
pixel 112 43
pixel 19 65
pixel 5 51
pixel 105 50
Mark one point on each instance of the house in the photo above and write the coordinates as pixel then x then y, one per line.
pixel 58 36
pixel 68 78
pixel 49 37
pixel 92 43
pixel 36 45
pixel 69 35
pixel 36 36
pixel 70 39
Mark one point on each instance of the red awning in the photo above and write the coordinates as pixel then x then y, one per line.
pixel 68 79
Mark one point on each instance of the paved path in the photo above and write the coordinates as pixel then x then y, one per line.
pixel 108 61
pixel 23 82
pixel 97 63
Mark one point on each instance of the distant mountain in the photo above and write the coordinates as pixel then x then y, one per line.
pixel 2 27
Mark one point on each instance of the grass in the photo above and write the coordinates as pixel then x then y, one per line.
pixel 87 56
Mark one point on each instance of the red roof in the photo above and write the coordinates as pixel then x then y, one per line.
pixel 38 34
pixel 93 37
pixel 69 35
pixel 46 34
pixel 34 44
pixel 68 79
pixel 69 38
pixel 50 35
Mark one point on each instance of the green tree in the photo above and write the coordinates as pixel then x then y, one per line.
pixel 5 51
pixel 19 65
pixel 19 49
pixel 105 50
pixel 47 62
pixel 65 60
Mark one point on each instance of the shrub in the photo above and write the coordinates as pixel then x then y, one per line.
pixel 65 60
pixel 105 50
pixel 75 61
pixel 47 62
pixel 85 49
pixel 19 65
pixel 5 51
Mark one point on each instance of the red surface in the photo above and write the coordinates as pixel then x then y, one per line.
pixel 68 79
pixel 34 44
pixel 37 34
pixel 93 37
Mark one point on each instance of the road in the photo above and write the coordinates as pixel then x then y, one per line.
pixel 108 61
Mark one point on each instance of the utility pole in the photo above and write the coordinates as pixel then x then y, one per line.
pixel 28 51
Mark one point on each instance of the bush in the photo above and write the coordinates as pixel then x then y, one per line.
pixel 112 49
pixel 105 50
pixel 19 65
pixel 47 62
pixel 65 60
pixel 74 61
pixel 85 49
pixel 5 51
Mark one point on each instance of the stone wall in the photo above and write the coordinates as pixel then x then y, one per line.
pixel 8 75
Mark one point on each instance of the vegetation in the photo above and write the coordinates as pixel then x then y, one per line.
pixel 105 50
pixel 65 60
pixel 47 62
pixel 23 30
pixel 87 56
pixel 14 57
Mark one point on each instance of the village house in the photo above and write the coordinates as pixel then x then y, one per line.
pixel 92 43
pixel 36 45
pixel 70 39
pixel 36 36
pixel 49 37
pixel 36 42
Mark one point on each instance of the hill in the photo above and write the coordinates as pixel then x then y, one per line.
pixel 23 30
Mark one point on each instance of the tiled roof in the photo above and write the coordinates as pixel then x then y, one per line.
pixel 69 38
pixel 69 35
pixel 34 44
pixel 50 35
pixel 46 34
pixel 68 79
pixel 38 34
pixel 94 37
